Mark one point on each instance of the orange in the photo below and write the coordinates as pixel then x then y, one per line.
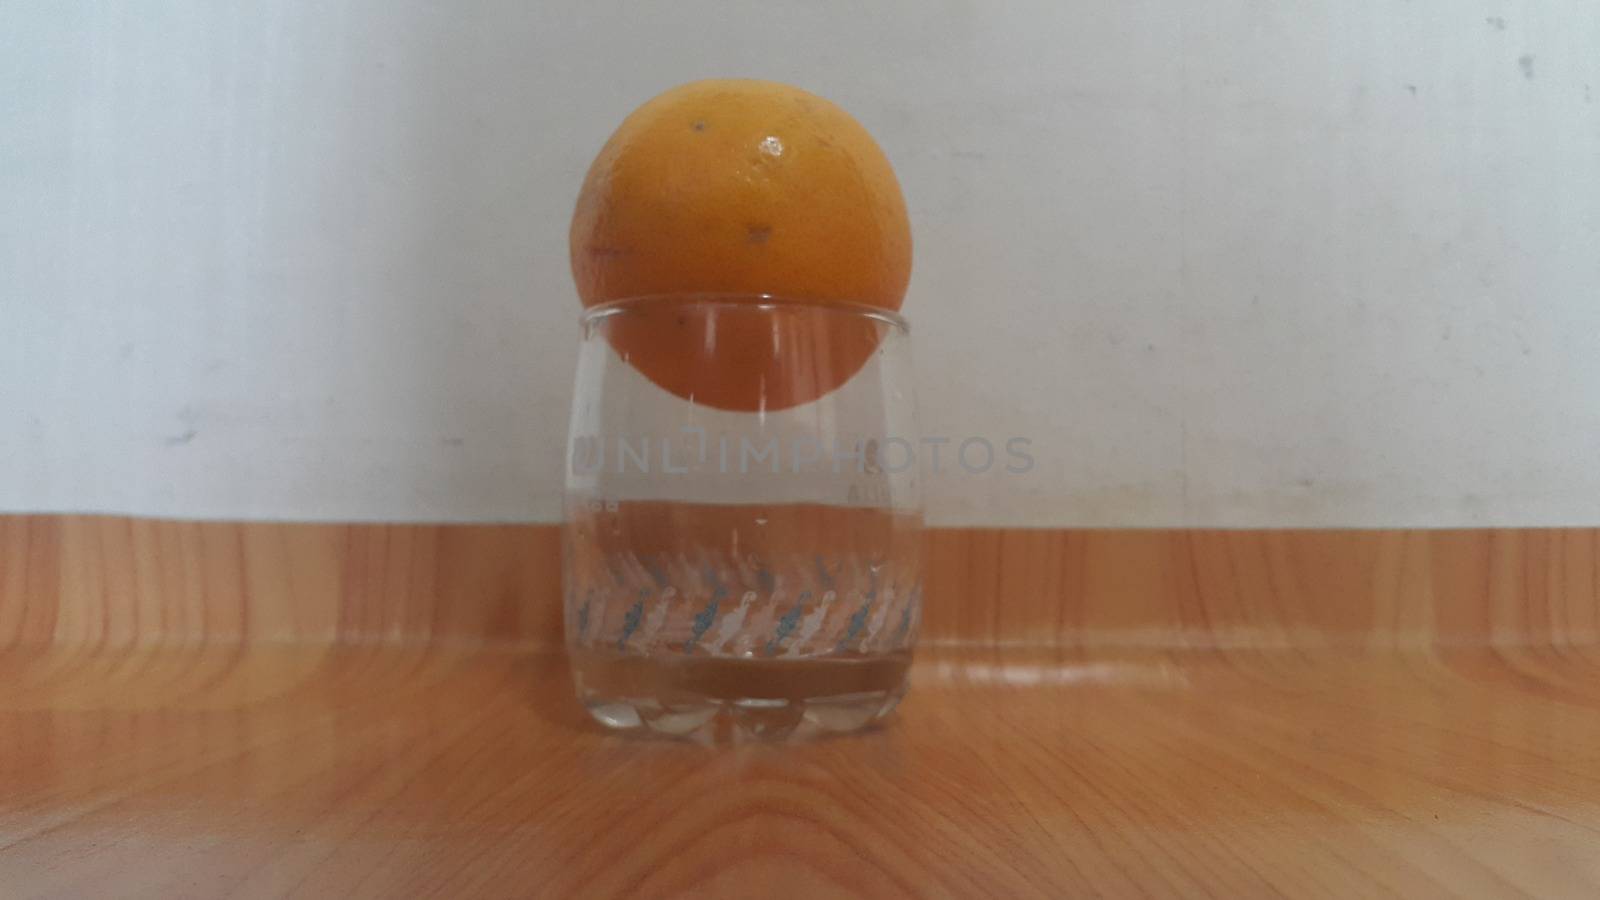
pixel 742 188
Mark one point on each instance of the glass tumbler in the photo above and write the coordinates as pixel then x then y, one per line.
pixel 742 541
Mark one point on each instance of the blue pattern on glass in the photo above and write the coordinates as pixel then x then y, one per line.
pixel 704 619
pixel 857 621
pixel 630 622
pixel 787 623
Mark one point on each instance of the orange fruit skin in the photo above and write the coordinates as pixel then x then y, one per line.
pixel 742 187
pixel 758 359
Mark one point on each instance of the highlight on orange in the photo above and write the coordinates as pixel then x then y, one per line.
pixel 735 190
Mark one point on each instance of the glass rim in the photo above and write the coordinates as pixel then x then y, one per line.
pixel 743 301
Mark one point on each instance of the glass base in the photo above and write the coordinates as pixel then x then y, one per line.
pixel 712 699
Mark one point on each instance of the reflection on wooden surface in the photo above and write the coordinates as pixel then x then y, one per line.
pixel 197 709
pixel 387 771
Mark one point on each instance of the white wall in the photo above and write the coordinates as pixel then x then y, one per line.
pixel 1331 261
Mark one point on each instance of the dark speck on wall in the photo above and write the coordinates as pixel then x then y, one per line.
pixel 1525 62
pixel 758 234
pixel 698 124
pixel 1498 23
pixel 1412 88
pixel 178 440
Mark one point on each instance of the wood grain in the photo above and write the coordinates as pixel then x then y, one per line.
pixel 109 581
pixel 1261 589
pixel 384 771
pixel 112 581
pixel 261 710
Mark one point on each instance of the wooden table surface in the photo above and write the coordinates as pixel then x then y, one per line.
pixel 384 772
pixel 193 710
